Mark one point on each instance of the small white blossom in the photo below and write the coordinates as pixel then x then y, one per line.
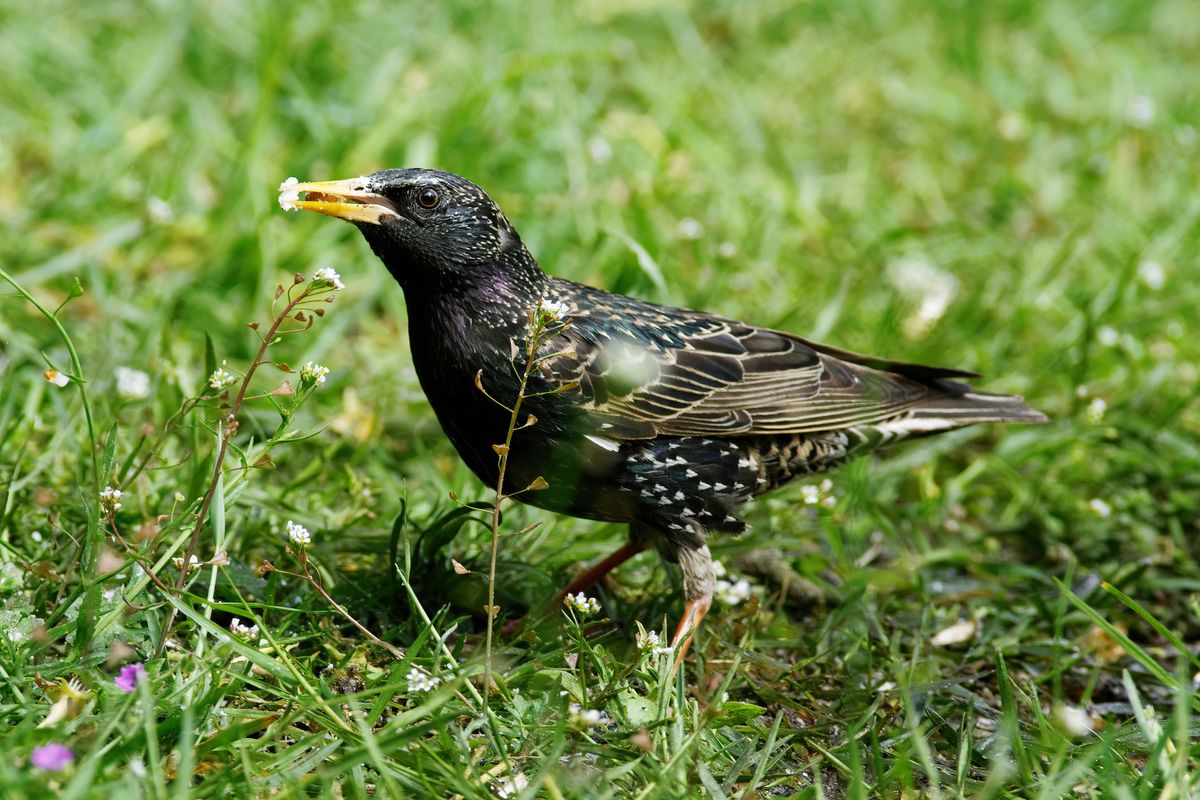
pixel 16 635
pixel 419 681
pixel 727 250
pixel 718 569
pixel 1107 335
pixel 59 379
pixel 732 593
pixel 110 499
pixel 313 373
pixel 581 604
pixel 160 210
pixel 1152 274
pixel 511 786
pixel 647 640
pixel 132 384
pixel 288 196
pixel 1100 508
pixel 330 275
pixel 1139 111
pixel 298 533
pixel 192 563
pixel 924 282
pixel 690 228
pixel 554 311
pixel 238 628
pixel 957 632
pixel 1095 410
pixel 591 717
pixel 821 495
pixel 137 767
pixel 221 378
pixel 1074 720
pixel 599 149
pixel 36 536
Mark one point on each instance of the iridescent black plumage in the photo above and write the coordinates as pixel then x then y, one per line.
pixel 665 418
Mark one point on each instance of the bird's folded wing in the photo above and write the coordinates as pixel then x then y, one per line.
pixel 726 378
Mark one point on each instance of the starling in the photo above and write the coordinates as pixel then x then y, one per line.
pixel 664 418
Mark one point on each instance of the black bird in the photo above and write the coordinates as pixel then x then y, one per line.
pixel 670 420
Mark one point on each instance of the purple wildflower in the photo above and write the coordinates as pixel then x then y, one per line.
pixel 127 681
pixel 51 757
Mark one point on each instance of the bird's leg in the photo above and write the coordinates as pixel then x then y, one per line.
pixel 589 579
pixel 693 612
pixel 699 580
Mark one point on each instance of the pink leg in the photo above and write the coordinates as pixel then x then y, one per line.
pixel 589 578
pixel 689 623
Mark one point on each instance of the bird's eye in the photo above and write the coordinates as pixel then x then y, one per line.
pixel 427 198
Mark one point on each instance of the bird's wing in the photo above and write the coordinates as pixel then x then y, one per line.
pixel 647 371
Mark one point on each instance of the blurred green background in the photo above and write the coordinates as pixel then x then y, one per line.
pixel 1008 187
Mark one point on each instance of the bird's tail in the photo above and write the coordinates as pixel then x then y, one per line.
pixel 962 405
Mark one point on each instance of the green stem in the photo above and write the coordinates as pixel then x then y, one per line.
pixel 530 361
pixel 76 370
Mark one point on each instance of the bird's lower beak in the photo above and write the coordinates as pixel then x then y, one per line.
pixel 351 200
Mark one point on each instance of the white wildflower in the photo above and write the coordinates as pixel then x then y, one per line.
pixel 1095 410
pixel 599 149
pixel 110 499
pixel 160 211
pixel 313 373
pixel 1139 111
pixel 511 786
pixel 138 767
pixel 553 311
pixel 718 569
pixel 690 228
pixel 16 635
pixel 727 250
pixel 59 379
pixel 419 681
pixel 821 494
pixel 591 717
pixel 1073 720
pixel 238 628
pixel 1100 508
pixel 132 384
pixel 36 536
pixel 926 283
pixel 288 196
pixel 329 274
pixel 581 604
pixel 647 640
pixel 1152 274
pixel 1013 126
pixel 221 378
pixel 1107 335
pixel 731 593
pixel 192 563
pixel 956 633
pixel 298 533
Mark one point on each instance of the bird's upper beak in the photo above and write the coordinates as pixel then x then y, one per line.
pixel 351 199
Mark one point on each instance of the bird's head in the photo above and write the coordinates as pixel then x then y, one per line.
pixel 424 224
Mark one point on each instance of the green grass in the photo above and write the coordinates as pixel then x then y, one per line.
pixel 826 149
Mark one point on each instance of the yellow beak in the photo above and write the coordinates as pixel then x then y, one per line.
pixel 350 200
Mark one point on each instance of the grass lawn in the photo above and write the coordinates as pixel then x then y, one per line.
pixel 1007 187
